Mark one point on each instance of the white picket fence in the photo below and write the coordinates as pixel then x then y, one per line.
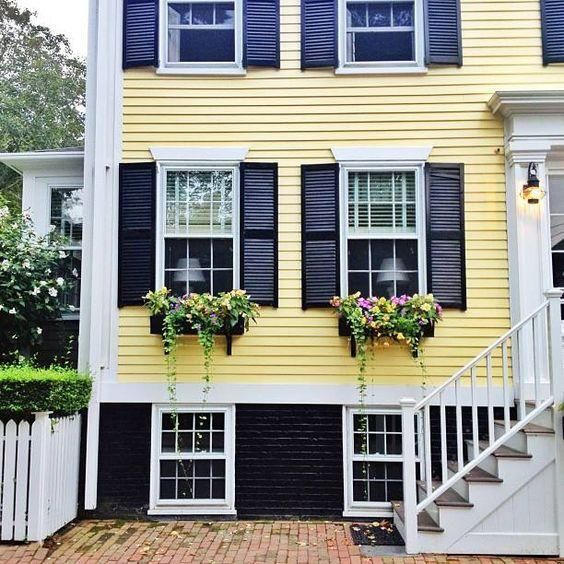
pixel 39 465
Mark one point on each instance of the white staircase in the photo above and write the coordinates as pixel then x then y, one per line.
pixel 492 483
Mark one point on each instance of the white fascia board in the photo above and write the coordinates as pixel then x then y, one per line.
pixel 382 155
pixel 23 162
pixel 199 154
pixel 512 102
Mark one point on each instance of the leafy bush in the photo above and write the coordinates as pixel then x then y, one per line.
pixel 29 285
pixel 25 389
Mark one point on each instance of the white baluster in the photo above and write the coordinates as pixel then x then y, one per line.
pixel 474 412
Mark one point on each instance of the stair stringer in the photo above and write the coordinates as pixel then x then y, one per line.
pixel 487 499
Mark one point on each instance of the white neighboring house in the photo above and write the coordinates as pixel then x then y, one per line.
pixel 53 182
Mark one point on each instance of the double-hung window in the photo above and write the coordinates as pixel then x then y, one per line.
pixel 200 227
pixel 66 216
pixel 203 35
pixel 383 232
pixel 381 33
pixel 374 461
pixel 193 463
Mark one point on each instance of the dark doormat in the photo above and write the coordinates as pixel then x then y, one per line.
pixel 377 533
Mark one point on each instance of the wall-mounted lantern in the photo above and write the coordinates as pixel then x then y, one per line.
pixel 532 191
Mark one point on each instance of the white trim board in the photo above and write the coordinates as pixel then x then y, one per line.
pixel 382 155
pixel 217 155
pixel 333 394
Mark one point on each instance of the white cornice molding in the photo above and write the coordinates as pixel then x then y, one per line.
pixel 383 155
pixel 508 103
pixel 199 154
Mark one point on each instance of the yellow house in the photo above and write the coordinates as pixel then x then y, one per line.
pixel 301 151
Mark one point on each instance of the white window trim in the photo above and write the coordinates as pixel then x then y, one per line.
pixel 204 68
pixel 193 507
pixel 381 67
pixel 419 235
pixel 363 508
pixel 66 315
pixel 162 169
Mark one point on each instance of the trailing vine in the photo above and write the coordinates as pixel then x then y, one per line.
pixel 204 314
pixel 401 319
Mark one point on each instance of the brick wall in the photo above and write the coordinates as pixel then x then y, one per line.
pixel 124 458
pixel 289 460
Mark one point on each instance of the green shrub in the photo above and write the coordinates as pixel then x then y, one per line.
pixel 25 389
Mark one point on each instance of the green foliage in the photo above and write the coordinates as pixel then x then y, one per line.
pixel 29 287
pixel 383 321
pixel 206 314
pixel 25 389
pixel 42 91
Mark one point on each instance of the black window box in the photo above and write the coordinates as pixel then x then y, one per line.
pixel 345 331
pixel 156 322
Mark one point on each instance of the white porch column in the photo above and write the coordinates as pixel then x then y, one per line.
pixel 528 233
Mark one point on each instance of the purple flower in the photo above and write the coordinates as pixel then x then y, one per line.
pixel 364 303
pixel 439 309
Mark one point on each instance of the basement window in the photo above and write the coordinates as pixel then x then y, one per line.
pixel 192 460
pixel 374 461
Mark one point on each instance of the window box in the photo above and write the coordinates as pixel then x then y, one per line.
pixel 156 324
pixel 345 331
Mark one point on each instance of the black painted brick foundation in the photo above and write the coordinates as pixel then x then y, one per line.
pixel 289 461
pixel 124 458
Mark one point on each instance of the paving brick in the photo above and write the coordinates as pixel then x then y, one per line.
pixel 237 542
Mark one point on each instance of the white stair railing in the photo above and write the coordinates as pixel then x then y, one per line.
pixel 485 389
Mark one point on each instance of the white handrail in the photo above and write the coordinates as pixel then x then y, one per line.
pixel 481 356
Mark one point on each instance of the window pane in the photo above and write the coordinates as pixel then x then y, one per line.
pixel 201 45
pixel 356 14
pixel 358 254
pixel 381 250
pixel 380 46
pixel 202 468
pixel 218 489
pixel 223 253
pixel 558 269
pixel 186 421
pixel 379 15
pixel 202 14
pixel 218 421
pixel 67 214
pixel 225 14
pixel 222 281
pixel 406 255
pixel 200 253
pixel 167 489
pixel 393 443
pixel 203 421
pixel 178 13
pixel 359 282
pixel 376 443
pixel 377 491
pixel 403 14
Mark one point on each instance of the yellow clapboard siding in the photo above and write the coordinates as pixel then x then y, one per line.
pixel 294 117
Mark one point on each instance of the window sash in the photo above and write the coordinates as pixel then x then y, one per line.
pixel 162 236
pixel 165 26
pixel 417 29
pixel 418 235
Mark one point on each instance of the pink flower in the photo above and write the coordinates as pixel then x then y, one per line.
pixel 364 303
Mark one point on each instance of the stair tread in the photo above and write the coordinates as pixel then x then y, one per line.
pixel 530 428
pixel 477 474
pixel 504 451
pixel 450 498
pixel 424 521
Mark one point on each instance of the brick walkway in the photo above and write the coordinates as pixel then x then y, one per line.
pixel 217 542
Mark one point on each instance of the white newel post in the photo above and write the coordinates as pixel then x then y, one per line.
pixel 409 481
pixel 557 383
pixel 37 510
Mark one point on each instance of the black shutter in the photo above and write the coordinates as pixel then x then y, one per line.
pixel 136 256
pixel 259 231
pixel 552 18
pixel 140 33
pixel 320 234
pixel 446 262
pixel 319 33
pixel 262 33
pixel 443 38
